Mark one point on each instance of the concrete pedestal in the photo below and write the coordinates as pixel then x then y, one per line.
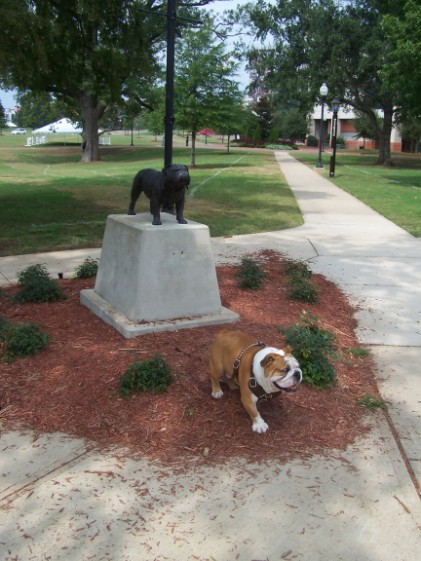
pixel 156 278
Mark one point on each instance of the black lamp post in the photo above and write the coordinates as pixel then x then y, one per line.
pixel 323 93
pixel 169 88
pixel 335 107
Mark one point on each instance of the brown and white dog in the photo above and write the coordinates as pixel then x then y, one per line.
pixel 252 367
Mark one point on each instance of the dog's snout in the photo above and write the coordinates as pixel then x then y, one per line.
pixel 297 375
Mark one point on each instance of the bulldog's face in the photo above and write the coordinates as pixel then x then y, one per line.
pixel 277 370
pixel 177 175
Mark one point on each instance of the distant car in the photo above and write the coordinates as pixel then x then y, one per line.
pixel 19 131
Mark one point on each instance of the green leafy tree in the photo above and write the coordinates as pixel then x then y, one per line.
pixel 206 91
pixel 404 28
pixel 411 132
pixel 341 43
pixel 291 124
pixel 90 54
pixel 233 119
pixel 364 127
pixel 263 110
pixel 155 116
pixel 38 109
pixel 2 118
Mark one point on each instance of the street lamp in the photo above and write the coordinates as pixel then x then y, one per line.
pixel 335 107
pixel 323 93
pixel 169 83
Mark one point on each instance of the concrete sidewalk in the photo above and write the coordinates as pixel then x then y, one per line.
pixel 62 500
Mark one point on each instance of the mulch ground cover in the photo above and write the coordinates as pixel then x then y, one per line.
pixel 72 385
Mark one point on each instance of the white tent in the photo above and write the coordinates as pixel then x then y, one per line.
pixel 63 126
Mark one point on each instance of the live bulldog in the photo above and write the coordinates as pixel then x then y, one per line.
pixel 256 369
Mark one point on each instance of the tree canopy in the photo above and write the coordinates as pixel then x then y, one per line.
pixel 2 117
pixel 344 44
pixel 207 94
pixel 404 26
pixel 90 54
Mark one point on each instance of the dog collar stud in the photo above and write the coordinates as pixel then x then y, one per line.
pixel 237 361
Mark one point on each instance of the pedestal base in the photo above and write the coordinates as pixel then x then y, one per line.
pixel 156 278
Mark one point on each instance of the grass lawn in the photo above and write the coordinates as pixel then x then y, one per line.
pixel 51 201
pixel 394 192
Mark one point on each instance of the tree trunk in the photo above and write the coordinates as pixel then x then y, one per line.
pixel 92 111
pixel 193 149
pixel 384 158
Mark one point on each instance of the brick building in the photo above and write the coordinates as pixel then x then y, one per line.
pixel 346 129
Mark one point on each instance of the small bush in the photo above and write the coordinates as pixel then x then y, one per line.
pixel 32 274
pixel 24 340
pixel 279 147
pixel 312 140
pixel 5 326
pixel 302 289
pixel 250 275
pixel 311 347
pixel 37 286
pixel 148 375
pixel 247 142
pixel 87 269
pixel 297 268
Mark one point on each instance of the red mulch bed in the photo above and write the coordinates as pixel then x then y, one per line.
pixel 72 386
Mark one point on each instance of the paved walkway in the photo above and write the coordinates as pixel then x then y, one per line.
pixel 61 500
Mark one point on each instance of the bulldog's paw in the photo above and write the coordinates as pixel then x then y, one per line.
pixel 260 425
pixel 217 394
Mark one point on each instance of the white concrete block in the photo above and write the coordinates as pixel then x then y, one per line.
pixel 151 274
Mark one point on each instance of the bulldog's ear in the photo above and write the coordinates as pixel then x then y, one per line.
pixel 267 360
pixel 288 350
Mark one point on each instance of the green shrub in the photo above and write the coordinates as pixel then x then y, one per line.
pixel 32 274
pixel 26 339
pixel 312 140
pixel 250 274
pixel 152 374
pixel 37 286
pixel 279 147
pixel 4 328
pixel 302 289
pixel 87 269
pixel 297 268
pixel 311 347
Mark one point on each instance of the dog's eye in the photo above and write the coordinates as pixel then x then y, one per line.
pixel 286 369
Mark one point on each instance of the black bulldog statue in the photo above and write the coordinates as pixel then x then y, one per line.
pixel 164 189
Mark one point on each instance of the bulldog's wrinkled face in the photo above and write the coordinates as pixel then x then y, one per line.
pixel 277 370
pixel 177 175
